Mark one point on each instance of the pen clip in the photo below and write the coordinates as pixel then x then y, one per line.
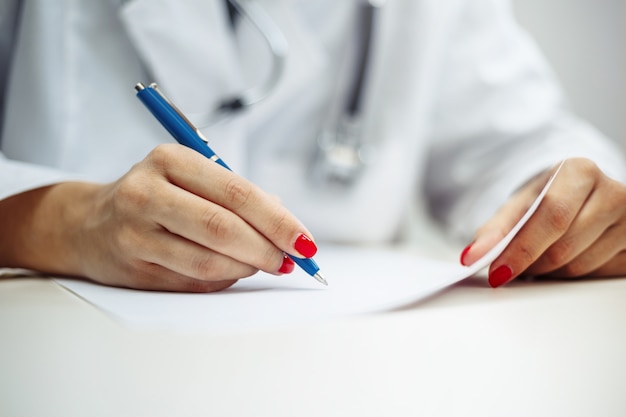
pixel 156 89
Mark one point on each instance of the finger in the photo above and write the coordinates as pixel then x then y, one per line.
pixel 214 227
pixel 193 172
pixel 494 230
pixel 154 277
pixel 603 255
pixel 587 231
pixel 192 260
pixel 613 268
pixel 553 217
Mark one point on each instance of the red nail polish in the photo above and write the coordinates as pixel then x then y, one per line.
pixel 287 266
pixel 305 246
pixel 464 253
pixel 501 275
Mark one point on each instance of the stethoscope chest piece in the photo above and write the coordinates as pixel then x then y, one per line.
pixel 340 155
pixel 342 151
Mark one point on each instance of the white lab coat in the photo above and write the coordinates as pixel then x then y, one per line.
pixel 460 105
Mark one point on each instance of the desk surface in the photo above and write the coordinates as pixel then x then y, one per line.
pixel 528 349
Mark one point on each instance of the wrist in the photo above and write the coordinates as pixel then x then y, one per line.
pixel 42 227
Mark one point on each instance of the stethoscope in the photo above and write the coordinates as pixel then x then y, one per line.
pixel 341 152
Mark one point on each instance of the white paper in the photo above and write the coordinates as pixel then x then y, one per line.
pixel 361 280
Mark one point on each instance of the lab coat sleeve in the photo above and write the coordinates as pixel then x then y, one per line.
pixel 500 119
pixel 17 176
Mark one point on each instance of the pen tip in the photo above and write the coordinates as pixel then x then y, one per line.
pixel 320 278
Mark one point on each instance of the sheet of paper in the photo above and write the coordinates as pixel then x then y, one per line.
pixel 361 280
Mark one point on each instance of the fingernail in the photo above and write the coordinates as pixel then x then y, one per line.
pixel 464 253
pixel 287 266
pixel 499 276
pixel 305 246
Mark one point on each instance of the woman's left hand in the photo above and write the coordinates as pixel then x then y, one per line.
pixel 579 229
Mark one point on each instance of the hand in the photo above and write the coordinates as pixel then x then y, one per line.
pixel 176 221
pixel 579 229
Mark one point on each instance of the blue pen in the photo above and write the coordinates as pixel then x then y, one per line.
pixel 188 135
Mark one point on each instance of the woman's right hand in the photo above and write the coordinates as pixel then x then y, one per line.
pixel 176 221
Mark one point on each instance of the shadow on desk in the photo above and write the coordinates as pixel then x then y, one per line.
pixel 10 273
pixel 476 290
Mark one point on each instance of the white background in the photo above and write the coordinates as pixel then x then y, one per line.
pixel 584 42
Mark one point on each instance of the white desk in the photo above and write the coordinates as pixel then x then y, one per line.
pixel 529 349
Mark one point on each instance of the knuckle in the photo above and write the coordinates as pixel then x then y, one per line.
pixel 527 254
pixel 161 156
pixel 281 225
pixel 559 215
pixel 133 192
pixel 237 193
pixel 218 225
pixel 575 268
pixel 615 201
pixel 205 267
pixel 559 253
pixel 215 269
pixel 586 167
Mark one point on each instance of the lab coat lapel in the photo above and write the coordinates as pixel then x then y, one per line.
pixel 306 55
pixel 188 48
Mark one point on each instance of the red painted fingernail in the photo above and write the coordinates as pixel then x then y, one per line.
pixel 305 246
pixel 287 266
pixel 464 253
pixel 501 275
